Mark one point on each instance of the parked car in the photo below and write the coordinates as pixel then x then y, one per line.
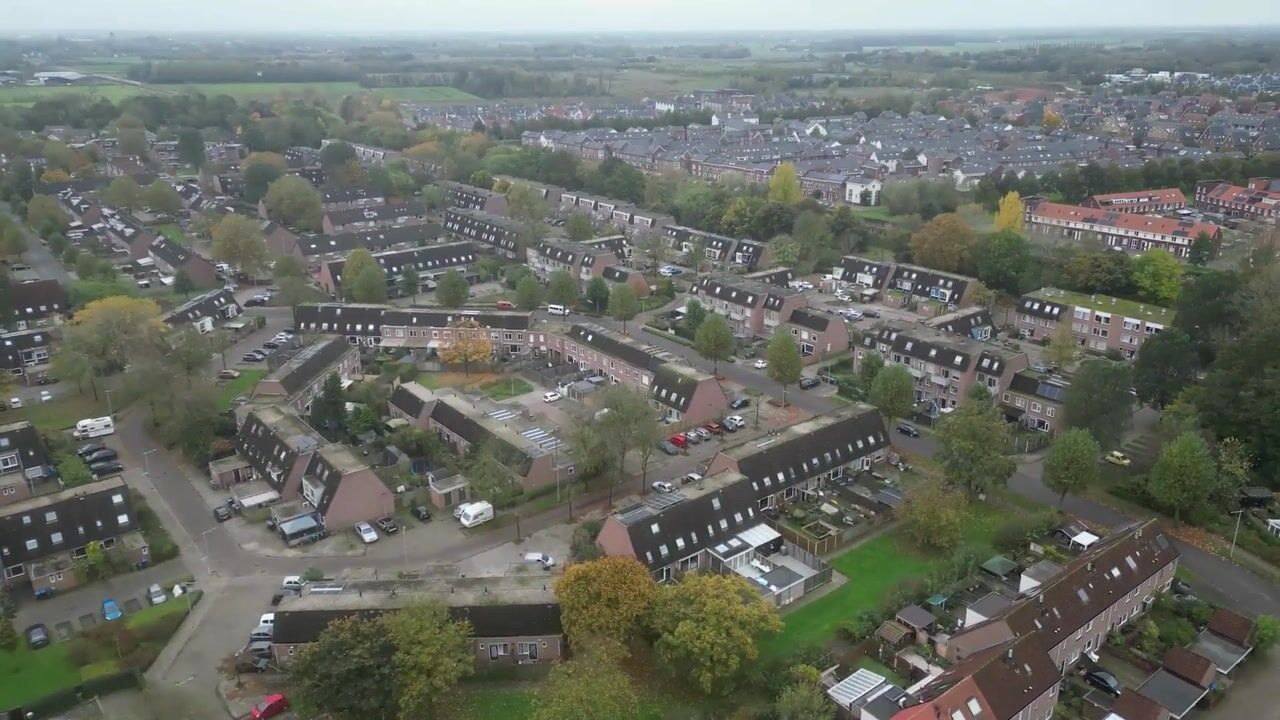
pixel 702 432
pixel 1104 681
pixel 228 374
pixel 102 455
pixel 252 664
pixel 366 533
pixel 421 512
pixel 714 428
pixel 908 429
pixel 270 706
pixel 692 437
pixel 111 610
pixel 505 305
pixel 271 345
pixel 679 440
pixel 690 478
pixel 458 510
pixel 739 403
pixel 37 636
pixel 662 486
pixel 221 513
pixel 760 364
pixel 156 594
pixel 15 403
pixel 546 561
pixel 46 396
pixel 668 448
pixel 871 314
pixel 734 422
pixel 1115 457
pixel 253 356
pixel 256 301
pixel 550 397
pixel 89 449
pixel 387 525
pixel 809 382
pixel 106 468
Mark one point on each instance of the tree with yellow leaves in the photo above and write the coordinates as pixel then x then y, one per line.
pixel 945 243
pixel 1052 120
pixel 784 186
pixel 1009 212
pixel 603 600
pixel 469 343
pixel 101 338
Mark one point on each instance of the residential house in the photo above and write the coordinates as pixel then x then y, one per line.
pixel 531 449
pixel 860 190
pixel 819 335
pixel 581 260
pixel 297 382
pixel 615 275
pixel 26 468
pixel 751 308
pixel 683 394
pixel 1015 680
pixel 1099 323
pixel 351 197
pixel 944 366
pixel 472 197
pixel 37 303
pixel 373 216
pixel 430 262
pixel 423 330
pixel 1258 201
pixel 341 487
pixel 279 239
pixel 1117 230
pixel 1132 706
pixel 315 249
pixel 940 292
pixel 172 258
pixel 23 350
pixel 1180 683
pixel 868 276
pixel 1141 202
pixel 41 537
pixel 204 311
pixel 1111 583
pixel 721 250
pixel 514 619
pixel 494 233
pixel 972 322
pixel 1035 400
pixel 1227 640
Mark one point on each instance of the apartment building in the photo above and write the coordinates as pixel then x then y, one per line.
pixel 750 307
pixel 297 382
pixel 719 524
pixel 372 216
pixel 494 233
pixel 26 468
pixel 472 197
pixel 944 366
pixel 532 449
pixel 683 394
pixel 1113 582
pixel 429 262
pixel 423 330
pixel 1141 202
pixel 819 335
pixel 1259 201
pixel 514 619
pixel 203 312
pixel 1131 233
pixel 1098 322
pixel 1035 400
pixel 42 537
pixel 582 261
pixel 316 249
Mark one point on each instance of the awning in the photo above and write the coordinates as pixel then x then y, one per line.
pixel 759 535
pixel 1000 566
pixel 1084 539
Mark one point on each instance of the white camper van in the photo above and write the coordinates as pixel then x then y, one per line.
pixel 94 427
pixel 476 513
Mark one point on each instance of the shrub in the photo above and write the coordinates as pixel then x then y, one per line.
pixel 161 629
pixel 583 545
pixel 313 574
pixel 859 628
pixel 1014 534
pixel 81 652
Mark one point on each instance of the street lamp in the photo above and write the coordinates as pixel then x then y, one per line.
pixel 204 540
pixel 146 459
pixel 1239 514
pixel 110 412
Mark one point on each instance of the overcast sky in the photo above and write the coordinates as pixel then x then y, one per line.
pixel 522 16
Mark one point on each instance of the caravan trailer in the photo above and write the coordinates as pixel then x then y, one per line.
pixel 94 427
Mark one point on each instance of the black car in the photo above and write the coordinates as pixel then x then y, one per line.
pixel 809 382
pixel 222 513
pixel 908 430
pixel 421 512
pixel 870 314
pixel 740 402
pixel 1104 681
pixel 37 636
pixel 106 468
pixel 103 455
pixel 271 345
pixel 668 448
pixel 387 525
pixel 255 302
pixel 89 449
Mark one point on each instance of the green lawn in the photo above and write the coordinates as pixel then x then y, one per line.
pixel 498 703
pixel 23 95
pixel 240 386
pixel 29 674
pixel 174 233
pixel 506 388
pixel 63 411
pixel 172 606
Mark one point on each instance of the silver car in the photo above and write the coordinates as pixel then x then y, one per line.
pixel 156 594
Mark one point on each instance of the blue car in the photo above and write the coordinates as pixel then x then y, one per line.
pixel 110 610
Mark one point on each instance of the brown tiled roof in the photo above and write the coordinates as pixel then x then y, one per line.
pixel 1142 197
pixel 1188 665
pixel 1122 221
pixel 1232 626
pixel 1132 706
pixel 1003 680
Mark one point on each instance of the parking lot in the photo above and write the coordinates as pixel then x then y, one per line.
pixel 81 609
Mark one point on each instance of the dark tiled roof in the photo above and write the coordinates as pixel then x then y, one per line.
pixel 1132 706
pixel 37 298
pixel 1039 307
pixel 673 388
pixel 21 437
pixel 609 344
pixel 173 254
pixel 1028 383
pixel 809 319
pixel 81 515
pixel 376 213
pixel 902 343
pixel 272 447
pixel 427 317
pixel 617 273
pixel 923 280
pixel 804 456
pixel 852 266
pixel 660 537
pixel 1007 679
pixel 367 320
pixel 351 194
pixel 965 322
pixel 1188 665
pixel 207 305
pixel 474 433
pixel 373 240
pixel 429 259
pixel 406 401
pixel 12 344
pixel 347 319
pixel 779 276
pixel 487 621
pixel 310 363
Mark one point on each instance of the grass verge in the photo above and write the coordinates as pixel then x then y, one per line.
pixel 233 389
pixel 29 674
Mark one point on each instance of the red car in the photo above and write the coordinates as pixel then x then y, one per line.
pixel 679 440
pixel 271 706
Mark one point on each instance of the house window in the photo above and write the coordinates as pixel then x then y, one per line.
pixel 497 650
pixel 14 571
pixel 9 462
pixel 108 543
pixel 51 517
pixel 527 650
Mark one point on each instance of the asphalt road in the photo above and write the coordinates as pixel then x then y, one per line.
pixel 38 256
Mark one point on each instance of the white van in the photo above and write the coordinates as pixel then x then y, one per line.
pixel 476 513
pixel 94 427
pixel 557 310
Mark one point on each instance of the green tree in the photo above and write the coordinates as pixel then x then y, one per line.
pixel 43 211
pixel 160 197
pixel 578 227
pixel 589 686
pixel 132 141
pixel 933 515
pixel 13 242
pixel 328 409
pixel 803 701
pixel 287 266
pixel 529 293
pixel 432 654
pixel 409 282
pixel 624 428
pixel 1203 248
pixel 292 201
pixel 433 197
pixel 1009 213
pixel 258 176
pixel 8 635
pixel 182 283
pixel 71 470
pixel 597 294
pixel 347 673
pixel 1184 475
pixel 623 305
pixel 1099 401
pixel 191 148
pixel 1265 633
pixel 784 186
pixel 1062 346
pixel 694 315
pixel 562 289
pixel 487 477
pixel 892 392
pixel 975 443
pixel 784 362
pixel 524 205
pixel 123 193
pixel 368 284
pixel 1004 262
pixel 1235 471
pixel 452 290
pixel 714 341
pixel 870 366
pixel 1158 276
pixel 708 628
pixel 1072 463
pixel 945 243
pixel 1166 364
pixel 237 240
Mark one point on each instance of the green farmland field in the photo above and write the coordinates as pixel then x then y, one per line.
pixel 24 95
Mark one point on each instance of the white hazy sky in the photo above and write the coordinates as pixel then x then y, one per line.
pixel 523 16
